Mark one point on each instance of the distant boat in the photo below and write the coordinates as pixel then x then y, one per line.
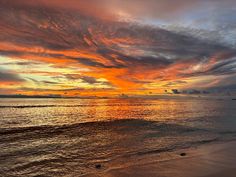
pixel 234 99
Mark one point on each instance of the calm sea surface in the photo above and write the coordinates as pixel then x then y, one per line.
pixel 69 137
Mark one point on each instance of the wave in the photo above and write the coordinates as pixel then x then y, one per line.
pixel 94 124
pixel 85 143
pixel 122 125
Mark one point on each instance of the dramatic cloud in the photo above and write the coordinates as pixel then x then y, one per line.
pixel 103 46
pixel 7 77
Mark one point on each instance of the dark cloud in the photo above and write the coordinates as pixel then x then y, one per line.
pixel 54 29
pixel 9 77
pixel 21 63
pixel 225 84
pixel 57 30
pixel 90 80
pixel 226 66
pixel 174 83
pixel 93 63
pixel 87 79
pixel 44 82
pixel 161 9
pixel 50 82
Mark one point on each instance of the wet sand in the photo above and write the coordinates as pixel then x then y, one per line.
pixel 213 160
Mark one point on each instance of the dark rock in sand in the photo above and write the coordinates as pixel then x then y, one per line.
pixel 183 154
pixel 98 166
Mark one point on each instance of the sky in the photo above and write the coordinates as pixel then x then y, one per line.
pixel 113 47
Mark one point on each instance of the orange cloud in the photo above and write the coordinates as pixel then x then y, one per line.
pixel 90 51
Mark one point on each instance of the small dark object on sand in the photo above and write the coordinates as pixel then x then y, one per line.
pixel 183 154
pixel 98 166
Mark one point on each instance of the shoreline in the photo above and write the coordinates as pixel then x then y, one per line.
pixel 211 160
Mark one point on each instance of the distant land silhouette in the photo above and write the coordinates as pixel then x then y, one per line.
pixel 30 96
pixel 49 96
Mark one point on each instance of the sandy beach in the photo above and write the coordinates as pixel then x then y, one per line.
pixel 212 160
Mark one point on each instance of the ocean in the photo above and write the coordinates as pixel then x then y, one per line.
pixel 78 137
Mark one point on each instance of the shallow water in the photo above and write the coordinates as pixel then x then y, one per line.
pixel 68 137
